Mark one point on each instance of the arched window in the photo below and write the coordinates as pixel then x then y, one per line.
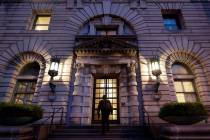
pixel 26 83
pixel 184 83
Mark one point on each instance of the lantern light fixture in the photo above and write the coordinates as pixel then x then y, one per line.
pixel 156 71
pixel 155 65
pixel 53 71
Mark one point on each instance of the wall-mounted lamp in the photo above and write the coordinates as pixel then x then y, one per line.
pixel 156 71
pixel 53 71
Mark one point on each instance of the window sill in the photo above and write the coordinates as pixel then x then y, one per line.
pixel 176 31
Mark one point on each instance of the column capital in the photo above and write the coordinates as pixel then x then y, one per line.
pixel 79 67
pixel 132 66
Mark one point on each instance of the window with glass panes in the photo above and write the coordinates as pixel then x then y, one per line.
pixel 24 91
pixel 170 23
pixel 184 84
pixel 172 19
pixel 107 87
pixel 26 83
pixel 42 22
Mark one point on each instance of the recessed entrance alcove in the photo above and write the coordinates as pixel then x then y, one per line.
pixel 105 66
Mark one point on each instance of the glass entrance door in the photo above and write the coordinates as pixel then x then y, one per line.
pixel 107 87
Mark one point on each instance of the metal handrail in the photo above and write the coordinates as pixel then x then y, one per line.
pixel 55 110
pixel 53 115
pixel 149 122
pixel 148 116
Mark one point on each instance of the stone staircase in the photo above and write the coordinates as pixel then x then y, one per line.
pixel 94 133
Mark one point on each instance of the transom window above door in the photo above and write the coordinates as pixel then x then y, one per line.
pixel 184 83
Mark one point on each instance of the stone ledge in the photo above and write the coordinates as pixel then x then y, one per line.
pixel 184 132
pixel 16 133
pixel 15 130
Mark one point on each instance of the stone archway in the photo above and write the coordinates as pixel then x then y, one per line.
pixel 13 67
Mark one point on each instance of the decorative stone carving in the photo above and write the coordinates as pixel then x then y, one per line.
pixel 105 69
pixel 42 5
pixel 106 46
pixel 133 66
pixel 79 67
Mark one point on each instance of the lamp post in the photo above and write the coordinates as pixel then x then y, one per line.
pixel 53 71
pixel 156 71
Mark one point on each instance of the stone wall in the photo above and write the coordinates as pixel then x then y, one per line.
pixel 190 45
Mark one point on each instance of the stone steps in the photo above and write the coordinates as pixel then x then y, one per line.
pixel 94 133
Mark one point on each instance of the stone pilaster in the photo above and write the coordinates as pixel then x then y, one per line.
pixel 133 95
pixel 87 86
pixel 123 93
pixel 76 105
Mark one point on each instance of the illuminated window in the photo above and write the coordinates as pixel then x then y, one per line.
pixel 184 83
pixel 42 22
pixel 26 83
pixel 106 87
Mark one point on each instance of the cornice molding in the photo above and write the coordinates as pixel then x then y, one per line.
pixel 106 46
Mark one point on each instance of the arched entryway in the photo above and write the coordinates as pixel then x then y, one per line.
pixel 105 65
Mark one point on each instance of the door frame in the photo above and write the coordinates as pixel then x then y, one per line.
pixel 106 76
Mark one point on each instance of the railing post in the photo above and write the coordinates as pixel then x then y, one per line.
pixel 52 118
pixel 61 121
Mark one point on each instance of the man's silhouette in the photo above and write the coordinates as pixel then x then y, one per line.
pixel 105 107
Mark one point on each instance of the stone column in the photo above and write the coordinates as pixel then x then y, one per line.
pixel 133 95
pixel 76 105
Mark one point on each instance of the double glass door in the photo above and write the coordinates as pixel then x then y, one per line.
pixel 109 87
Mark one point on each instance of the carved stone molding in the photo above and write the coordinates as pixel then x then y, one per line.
pixel 42 5
pixel 106 46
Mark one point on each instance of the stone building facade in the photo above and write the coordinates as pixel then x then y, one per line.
pixel 105 47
